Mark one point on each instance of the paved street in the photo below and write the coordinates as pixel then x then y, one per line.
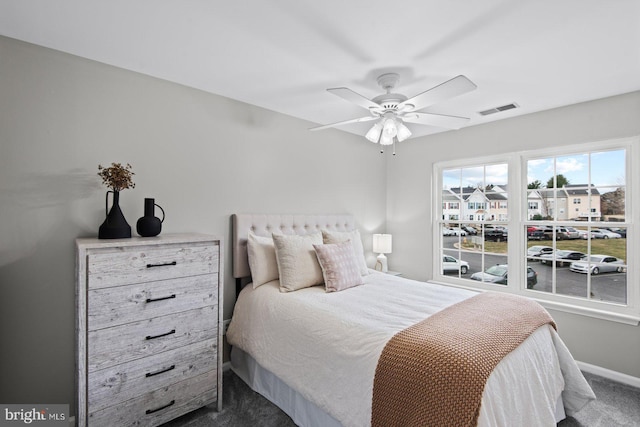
pixel 610 287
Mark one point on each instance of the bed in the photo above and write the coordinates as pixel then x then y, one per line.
pixel 315 354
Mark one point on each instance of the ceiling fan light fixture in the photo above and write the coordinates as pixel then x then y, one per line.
pixel 374 133
pixel 403 132
pixel 386 139
pixel 390 127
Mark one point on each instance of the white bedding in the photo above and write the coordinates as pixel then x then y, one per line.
pixel 326 347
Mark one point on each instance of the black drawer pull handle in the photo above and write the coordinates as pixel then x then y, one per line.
pixel 161 371
pixel 162 264
pixel 161 298
pixel 151 411
pixel 151 337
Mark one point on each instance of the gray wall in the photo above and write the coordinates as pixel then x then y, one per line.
pixel 201 156
pixel 204 157
pixel 603 343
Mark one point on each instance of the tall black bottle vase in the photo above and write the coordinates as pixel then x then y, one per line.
pixel 115 225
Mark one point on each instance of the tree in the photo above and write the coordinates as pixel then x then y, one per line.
pixel 561 181
pixel 534 185
pixel 612 203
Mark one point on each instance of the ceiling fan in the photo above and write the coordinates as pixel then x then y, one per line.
pixel 392 110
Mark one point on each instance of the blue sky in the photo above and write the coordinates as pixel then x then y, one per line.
pixel 607 169
pixel 476 176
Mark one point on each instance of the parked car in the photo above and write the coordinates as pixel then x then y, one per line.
pixel 453 265
pixel 600 233
pixel 535 252
pixel 561 257
pixel 470 230
pixel 596 264
pixel 496 235
pixel 583 234
pixel 567 233
pixel 621 231
pixel 457 231
pixel 537 234
pixel 542 232
pixel 498 274
pixel 446 231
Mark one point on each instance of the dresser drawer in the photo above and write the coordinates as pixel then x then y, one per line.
pixel 161 405
pixel 131 341
pixel 124 304
pixel 128 265
pixel 122 382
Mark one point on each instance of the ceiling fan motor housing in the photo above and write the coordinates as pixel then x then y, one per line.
pixel 389 101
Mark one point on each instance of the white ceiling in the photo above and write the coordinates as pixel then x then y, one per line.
pixel 283 54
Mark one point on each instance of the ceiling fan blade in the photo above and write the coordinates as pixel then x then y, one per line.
pixel 358 120
pixel 353 97
pixel 439 120
pixel 454 87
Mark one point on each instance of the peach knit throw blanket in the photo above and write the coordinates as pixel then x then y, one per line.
pixel 434 372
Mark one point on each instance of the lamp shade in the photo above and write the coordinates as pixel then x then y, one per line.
pixel 374 133
pixel 385 139
pixel 390 128
pixel 403 132
pixel 382 243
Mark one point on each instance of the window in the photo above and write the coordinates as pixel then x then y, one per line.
pixel 590 176
pixel 577 259
pixel 477 186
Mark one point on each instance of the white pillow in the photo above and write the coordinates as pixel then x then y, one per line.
pixel 356 242
pixel 297 262
pixel 339 266
pixel 262 259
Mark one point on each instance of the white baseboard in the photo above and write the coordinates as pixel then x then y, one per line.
pixel 72 421
pixel 609 374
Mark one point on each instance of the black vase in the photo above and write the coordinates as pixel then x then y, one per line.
pixel 115 226
pixel 149 225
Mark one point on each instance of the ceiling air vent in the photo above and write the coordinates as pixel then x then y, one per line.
pixel 498 109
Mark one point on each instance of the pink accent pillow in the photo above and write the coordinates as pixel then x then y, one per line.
pixel 356 242
pixel 340 268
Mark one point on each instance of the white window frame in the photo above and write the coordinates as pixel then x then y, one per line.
pixel 518 209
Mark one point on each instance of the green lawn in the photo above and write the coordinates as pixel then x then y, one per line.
pixel 613 247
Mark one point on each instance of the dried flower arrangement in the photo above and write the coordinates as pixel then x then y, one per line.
pixel 117 177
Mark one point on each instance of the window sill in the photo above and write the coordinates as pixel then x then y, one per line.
pixel 611 316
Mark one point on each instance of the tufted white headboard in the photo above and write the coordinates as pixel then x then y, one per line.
pixel 265 225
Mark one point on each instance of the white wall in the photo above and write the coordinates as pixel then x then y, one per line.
pixel 201 156
pixel 607 344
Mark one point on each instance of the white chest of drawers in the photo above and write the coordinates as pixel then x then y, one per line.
pixel 149 338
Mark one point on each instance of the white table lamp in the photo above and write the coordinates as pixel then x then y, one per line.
pixel 382 245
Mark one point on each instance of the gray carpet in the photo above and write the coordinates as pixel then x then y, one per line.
pixel 617 405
